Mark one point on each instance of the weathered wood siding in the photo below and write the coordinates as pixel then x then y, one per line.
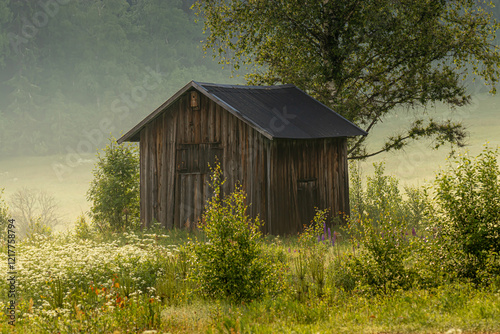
pixel 283 179
pixel 307 174
pixel 175 151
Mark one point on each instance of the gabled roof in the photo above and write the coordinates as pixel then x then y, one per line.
pixel 275 111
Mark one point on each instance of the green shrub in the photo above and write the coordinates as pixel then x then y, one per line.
pixel 385 255
pixel 340 275
pixel 231 263
pixel 37 227
pixel 82 229
pixel 466 218
pixel 382 198
pixel 386 235
pixel 114 192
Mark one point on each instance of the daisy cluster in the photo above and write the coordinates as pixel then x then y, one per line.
pixel 64 266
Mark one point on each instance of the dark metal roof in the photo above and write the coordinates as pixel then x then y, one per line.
pixel 275 111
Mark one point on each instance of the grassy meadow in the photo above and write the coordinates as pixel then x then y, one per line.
pixel 139 282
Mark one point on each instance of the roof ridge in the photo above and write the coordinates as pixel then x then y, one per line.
pixel 209 84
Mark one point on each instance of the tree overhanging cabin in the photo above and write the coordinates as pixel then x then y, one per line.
pixel 287 150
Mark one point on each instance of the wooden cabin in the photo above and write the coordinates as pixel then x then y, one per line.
pixel 287 150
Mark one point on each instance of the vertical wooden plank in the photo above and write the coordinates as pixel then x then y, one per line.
pixel 203 120
pixel 164 133
pixel 226 142
pixel 210 121
pixel 147 177
pixel 234 132
pixel 206 189
pixel 190 193
pixel 293 161
pixel 218 120
pixel 192 134
pixel 143 177
pixel 197 126
pixel 180 123
pixel 171 125
pixel 346 205
pixel 181 199
pixel 154 172
pixel 337 178
pixel 197 200
pixel 327 174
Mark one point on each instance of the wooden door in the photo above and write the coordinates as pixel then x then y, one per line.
pixel 191 182
pixel 307 195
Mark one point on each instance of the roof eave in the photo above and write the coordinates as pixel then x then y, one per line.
pixel 135 131
pixel 133 134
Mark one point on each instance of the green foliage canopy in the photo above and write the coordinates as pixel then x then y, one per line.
pixel 362 58
pixel 114 192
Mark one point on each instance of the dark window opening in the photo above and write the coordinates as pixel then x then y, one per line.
pixel 196 158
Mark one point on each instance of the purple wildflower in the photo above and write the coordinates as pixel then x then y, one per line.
pixel 413 232
pixel 329 234
pixel 323 237
pixel 333 241
pixel 289 250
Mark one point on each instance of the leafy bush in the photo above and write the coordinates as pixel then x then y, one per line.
pixel 386 236
pixel 82 229
pixel 467 215
pixel 114 192
pixel 231 264
pixel 382 198
pixel 385 256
